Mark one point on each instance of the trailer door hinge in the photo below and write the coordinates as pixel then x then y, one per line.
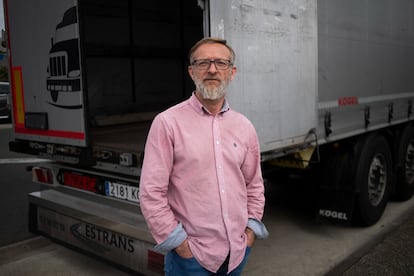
pixel 367 116
pixel 390 112
pixel 328 123
pixel 201 4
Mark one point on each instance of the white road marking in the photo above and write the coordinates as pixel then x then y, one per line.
pixel 22 160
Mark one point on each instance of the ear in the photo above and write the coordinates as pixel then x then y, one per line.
pixel 233 72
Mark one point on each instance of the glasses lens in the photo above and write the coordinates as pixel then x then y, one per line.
pixel 221 64
pixel 204 64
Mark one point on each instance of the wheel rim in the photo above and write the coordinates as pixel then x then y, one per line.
pixel 377 180
pixel 409 163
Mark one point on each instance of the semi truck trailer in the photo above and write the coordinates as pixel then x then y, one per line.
pixel 327 84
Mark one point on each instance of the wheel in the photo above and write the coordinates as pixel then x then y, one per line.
pixel 372 178
pixel 404 187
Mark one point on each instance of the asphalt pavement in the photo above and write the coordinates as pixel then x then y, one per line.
pixel 392 254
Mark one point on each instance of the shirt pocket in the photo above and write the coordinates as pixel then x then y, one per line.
pixel 238 151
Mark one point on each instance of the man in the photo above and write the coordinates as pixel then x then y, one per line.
pixel 201 188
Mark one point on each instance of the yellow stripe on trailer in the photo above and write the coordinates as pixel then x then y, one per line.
pixel 298 160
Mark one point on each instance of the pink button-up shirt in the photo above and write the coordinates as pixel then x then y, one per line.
pixel 202 171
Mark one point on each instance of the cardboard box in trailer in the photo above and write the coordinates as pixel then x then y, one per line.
pixel 326 83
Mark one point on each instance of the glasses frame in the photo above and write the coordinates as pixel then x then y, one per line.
pixel 196 64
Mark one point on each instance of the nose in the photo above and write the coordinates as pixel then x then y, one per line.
pixel 212 68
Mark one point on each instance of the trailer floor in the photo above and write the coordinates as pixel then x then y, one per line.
pixel 127 137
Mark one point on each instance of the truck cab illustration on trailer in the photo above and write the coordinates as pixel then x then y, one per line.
pixel 63 69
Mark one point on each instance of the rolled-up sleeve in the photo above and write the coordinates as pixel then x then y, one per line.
pixel 255 188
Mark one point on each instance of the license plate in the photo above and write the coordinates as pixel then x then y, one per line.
pixel 121 191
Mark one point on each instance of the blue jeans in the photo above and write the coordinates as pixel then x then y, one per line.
pixel 177 266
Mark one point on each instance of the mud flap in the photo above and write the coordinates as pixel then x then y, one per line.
pixel 336 205
pixel 337 189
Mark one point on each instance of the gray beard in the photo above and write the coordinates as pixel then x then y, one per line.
pixel 211 93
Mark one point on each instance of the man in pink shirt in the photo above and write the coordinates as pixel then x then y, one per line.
pixel 201 188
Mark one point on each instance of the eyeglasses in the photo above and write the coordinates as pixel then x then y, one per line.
pixel 204 64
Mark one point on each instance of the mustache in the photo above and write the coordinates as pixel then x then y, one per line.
pixel 207 79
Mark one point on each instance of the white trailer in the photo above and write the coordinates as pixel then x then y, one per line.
pixel 326 83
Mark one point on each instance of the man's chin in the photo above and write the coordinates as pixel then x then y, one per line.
pixel 211 92
pixel 212 85
pixel 212 96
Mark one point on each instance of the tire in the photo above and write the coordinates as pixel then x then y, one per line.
pixel 404 186
pixel 373 180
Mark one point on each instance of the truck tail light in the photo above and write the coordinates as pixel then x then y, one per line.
pixel 42 175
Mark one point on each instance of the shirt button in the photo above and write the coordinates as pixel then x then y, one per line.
pixel 218 142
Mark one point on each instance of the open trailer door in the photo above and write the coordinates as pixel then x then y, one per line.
pixel 276 55
pixel 46 73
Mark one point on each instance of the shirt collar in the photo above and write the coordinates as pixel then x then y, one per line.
pixel 200 108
